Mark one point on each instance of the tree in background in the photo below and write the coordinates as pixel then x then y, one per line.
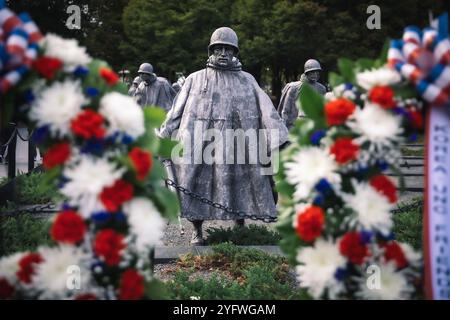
pixel 276 36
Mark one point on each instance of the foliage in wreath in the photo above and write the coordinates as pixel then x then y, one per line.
pixel 101 151
pixel 336 195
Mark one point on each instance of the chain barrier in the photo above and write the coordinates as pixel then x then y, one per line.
pixel 25 140
pixel 216 205
pixel 408 207
pixel 45 208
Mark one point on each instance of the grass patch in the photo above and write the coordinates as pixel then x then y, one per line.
pixel 23 233
pixel 243 236
pixel 234 273
pixel 408 225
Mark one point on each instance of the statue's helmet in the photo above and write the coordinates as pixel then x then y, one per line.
pixel 312 65
pixel 146 68
pixel 224 35
pixel 137 80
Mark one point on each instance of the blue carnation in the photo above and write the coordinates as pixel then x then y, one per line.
pixel 366 236
pixel 81 71
pixel 317 136
pixel 40 134
pixel 341 274
pixel 92 92
pixel 323 186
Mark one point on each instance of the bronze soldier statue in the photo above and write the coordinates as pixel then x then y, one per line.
pixel 134 86
pixel 289 107
pixel 153 90
pixel 223 97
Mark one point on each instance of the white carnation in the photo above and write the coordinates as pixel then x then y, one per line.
pixel 375 124
pixel 388 284
pixel 372 209
pixel 145 221
pixel 66 50
pixel 57 105
pixel 9 266
pixel 87 176
pixel 308 167
pixel 123 114
pixel 318 265
pixel 60 265
pixel 414 258
pixel 377 77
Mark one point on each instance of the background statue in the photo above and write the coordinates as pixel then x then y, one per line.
pixel 153 90
pixel 134 86
pixel 289 107
pixel 222 96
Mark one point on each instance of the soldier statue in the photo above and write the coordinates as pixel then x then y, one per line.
pixel 134 86
pixel 153 90
pixel 289 107
pixel 223 97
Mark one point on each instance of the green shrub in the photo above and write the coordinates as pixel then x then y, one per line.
pixel 408 225
pixel 244 274
pixel 31 189
pixel 243 236
pixel 23 232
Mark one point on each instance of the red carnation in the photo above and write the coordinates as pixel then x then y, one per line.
pixel 131 285
pixel 142 162
pixel 416 118
pixel 352 247
pixel 385 186
pixel 26 266
pixel 310 223
pixel 109 76
pixel 88 124
pixel 47 67
pixel 6 289
pixel 113 197
pixel 108 244
pixel 382 95
pixel 344 150
pixel 393 252
pixel 56 155
pixel 68 227
pixel 337 111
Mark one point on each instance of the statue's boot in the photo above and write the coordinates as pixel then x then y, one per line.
pixel 197 235
pixel 239 223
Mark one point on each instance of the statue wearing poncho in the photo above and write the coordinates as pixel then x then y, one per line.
pixel 222 97
pixel 289 107
pixel 153 90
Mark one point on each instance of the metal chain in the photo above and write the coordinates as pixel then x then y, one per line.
pixel 409 207
pixel 45 208
pixel 21 138
pixel 239 214
pixel 10 138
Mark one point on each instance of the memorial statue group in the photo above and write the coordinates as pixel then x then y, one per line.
pixel 222 97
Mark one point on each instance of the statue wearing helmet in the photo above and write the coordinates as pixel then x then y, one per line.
pixel 153 90
pixel 134 86
pixel 289 107
pixel 221 98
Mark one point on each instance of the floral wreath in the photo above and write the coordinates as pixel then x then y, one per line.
pixel 336 197
pixel 101 152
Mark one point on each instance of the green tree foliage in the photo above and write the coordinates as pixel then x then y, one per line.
pixel 276 36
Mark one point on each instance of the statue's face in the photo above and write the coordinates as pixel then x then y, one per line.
pixel 147 77
pixel 223 55
pixel 313 76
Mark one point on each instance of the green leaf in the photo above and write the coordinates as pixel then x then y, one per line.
pixel 346 69
pixel 384 51
pixel 312 104
pixel 167 200
pixel 165 147
pixel 364 64
pixel 154 117
pixel 335 80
